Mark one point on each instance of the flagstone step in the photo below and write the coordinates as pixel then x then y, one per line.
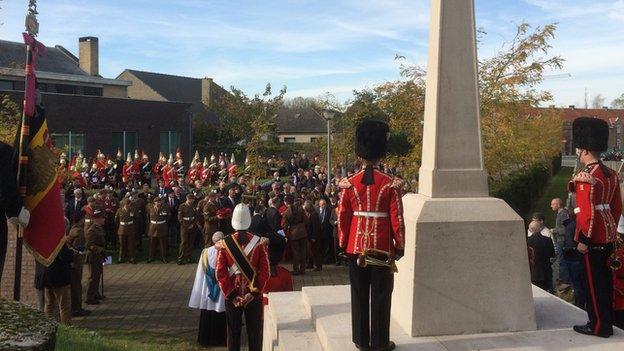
pixel 287 324
pixel 325 312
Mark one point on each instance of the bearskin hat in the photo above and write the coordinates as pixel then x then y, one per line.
pixel 371 139
pixel 590 134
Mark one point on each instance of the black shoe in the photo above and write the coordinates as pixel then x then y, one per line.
pixel 587 330
pixel 100 297
pixel 362 348
pixel 165 260
pixel 390 347
pixel 149 260
pixel 180 262
pixel 133 261
pixel 94 302
pixel 81 313
pixel 296 273
pixel 120 261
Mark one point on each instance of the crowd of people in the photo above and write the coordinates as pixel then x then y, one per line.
pixel 171 207
pixel 557 266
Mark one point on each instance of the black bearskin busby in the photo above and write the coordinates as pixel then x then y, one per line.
pixel 590 134
pixel 371 139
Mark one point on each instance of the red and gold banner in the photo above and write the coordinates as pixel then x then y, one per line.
pixel 45 234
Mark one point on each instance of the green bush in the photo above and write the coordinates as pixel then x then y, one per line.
pixel 522 188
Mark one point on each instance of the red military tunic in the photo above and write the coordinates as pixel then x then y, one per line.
pixel 598 206
pixel 233 285
pixel 370 217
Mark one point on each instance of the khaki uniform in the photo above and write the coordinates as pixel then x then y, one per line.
pixel 95 243
pixel 158 230
pixel 76 240
pixel 187 216
pixel 126 221
pixel 211 222
pixel 295 225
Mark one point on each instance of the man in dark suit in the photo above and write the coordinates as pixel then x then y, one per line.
pixel 231 200
pixel 10 200
pixel 74 208
pixel 327 231
pixel 541 251
pixel 258 226
pixel 173 203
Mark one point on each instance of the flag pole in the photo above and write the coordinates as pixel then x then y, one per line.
pixel 32 27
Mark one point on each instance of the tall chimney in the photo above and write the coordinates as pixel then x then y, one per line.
pixel 88 53
pixel 206 85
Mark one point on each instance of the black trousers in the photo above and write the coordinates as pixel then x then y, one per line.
pixel 371 286
pixel 253 323
pixel 598 283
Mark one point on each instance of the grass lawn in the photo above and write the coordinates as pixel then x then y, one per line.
pixel 557 187
pixel 79 339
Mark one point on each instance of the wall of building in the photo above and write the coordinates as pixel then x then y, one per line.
pixel 115 91
pixel 138 89
pixel 98 117
pixel 298 138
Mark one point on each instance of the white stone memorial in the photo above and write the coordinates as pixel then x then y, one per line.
pixel 464 281
pixel 465 253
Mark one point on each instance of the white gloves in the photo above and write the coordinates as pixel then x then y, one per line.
pixel 22 219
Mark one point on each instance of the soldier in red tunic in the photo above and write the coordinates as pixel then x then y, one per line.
pixel 598 208
pixel 242 272
pixel 618 281
pixel 370 224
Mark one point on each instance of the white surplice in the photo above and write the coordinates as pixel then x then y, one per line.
pixel 200 294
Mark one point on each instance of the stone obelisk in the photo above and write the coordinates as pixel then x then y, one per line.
pixel 465 268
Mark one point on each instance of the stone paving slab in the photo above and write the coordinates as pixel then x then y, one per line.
pixel 154 297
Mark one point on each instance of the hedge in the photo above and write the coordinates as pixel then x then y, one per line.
pixel 522 188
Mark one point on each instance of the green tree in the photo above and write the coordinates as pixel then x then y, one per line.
pixel 618 102
pixel 514 136
pixel 10 116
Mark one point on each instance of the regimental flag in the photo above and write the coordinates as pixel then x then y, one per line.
pixel 45 234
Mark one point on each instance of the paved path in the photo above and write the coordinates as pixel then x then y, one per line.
pixel 154 297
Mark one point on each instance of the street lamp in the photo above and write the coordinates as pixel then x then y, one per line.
pixel 329 114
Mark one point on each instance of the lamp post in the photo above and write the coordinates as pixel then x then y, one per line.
pixel 329 115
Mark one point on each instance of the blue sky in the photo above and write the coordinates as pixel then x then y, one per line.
pixel 318 46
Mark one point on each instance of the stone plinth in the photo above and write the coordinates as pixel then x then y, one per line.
pixel 465 269
pixel 319 318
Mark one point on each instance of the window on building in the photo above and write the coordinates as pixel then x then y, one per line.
pixel 93 91
pixel 71 142
pixel 124 141
pixel 169 142
pixel 6 85
pixel 314 139
pixel 18 85
pixel 66 89
pixel 289 139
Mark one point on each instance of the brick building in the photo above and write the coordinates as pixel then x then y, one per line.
pixel 87 112
pixel 201 93
pixel 615 118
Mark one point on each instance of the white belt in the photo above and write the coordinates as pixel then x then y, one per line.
pixel 126 223
pixel 370 214
pixel 87 220
pixel 188 218
pixel 601 207
pixel 158 222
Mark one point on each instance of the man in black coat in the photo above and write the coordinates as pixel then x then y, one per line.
pixel 10 200
pixel 258 226
pixel 74 208
pixel 541 250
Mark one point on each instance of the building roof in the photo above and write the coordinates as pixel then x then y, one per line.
pixel 570 114
pixel 170 87
pixel 55 59
pixel 299 120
